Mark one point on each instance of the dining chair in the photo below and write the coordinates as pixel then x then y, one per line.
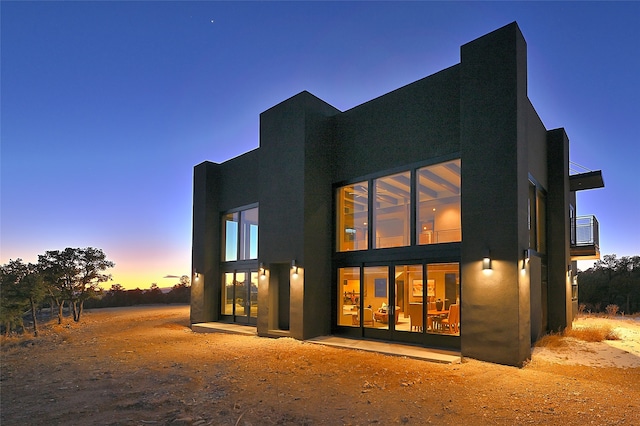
pixel 452 322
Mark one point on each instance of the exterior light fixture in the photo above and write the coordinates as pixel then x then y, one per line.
pixel 294 267
pixel 569 268
pixel 525 258
pixel 197 274
pixel 263 271
pixel 486 260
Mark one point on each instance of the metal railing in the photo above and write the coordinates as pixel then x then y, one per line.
pixel 586 231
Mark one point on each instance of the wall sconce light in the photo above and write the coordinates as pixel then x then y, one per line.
pixel 525 259
pixel 197 275
pixel 263 271
pixel 569 268
pixel 486 260
pixel 294 267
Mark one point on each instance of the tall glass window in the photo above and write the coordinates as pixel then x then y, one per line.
pixel 376 311
pixel 349 296
pixel 230 237
pixel 541 212
pixel 410 298
pixel 352 215
pixel 249 234
pixel 438 213
pixel 392 210
pixel 435 191
pixel 443 298
pixel 227 294
pixel 240 235
pixel 537 218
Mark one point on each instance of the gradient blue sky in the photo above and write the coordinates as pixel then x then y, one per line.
pixel 107 106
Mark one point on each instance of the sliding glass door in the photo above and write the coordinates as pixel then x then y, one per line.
pixel 399 300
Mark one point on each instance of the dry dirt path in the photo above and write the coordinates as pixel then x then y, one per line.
pixel 143 366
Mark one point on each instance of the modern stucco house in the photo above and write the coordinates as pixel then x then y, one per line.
pixel 441 214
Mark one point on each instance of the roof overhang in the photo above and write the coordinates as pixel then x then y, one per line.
pixel 589 180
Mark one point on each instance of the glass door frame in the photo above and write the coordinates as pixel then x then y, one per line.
pixel 247 294
pixel 391 333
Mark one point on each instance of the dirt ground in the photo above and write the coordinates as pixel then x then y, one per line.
pixel 143 365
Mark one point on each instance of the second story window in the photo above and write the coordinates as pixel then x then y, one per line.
pixel 240 235
pixel 432 193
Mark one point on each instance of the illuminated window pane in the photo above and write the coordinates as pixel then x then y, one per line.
pixel 349 297
pixel 438 193
pixel 375 311
pixel 392 210
pixel 443 298
pixel 352 216
pixel 227 294
pixel 410 298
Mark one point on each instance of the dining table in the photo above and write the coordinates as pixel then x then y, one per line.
pixel 436 316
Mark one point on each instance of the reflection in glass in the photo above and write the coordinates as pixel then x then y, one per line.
pixel 227 294
pixel 230 237
pixel 240 295
pixel 240 235
pixel 253 294
pixel 541 208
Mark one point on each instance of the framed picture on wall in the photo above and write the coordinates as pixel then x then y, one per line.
pixel 431 288
pixel 380 287
pixel 416 288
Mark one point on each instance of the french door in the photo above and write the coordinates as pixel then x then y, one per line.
pixel 240 296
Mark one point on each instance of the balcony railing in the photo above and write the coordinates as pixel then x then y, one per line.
pixel 585 238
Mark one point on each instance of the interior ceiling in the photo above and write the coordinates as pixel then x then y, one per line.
pixel 435 182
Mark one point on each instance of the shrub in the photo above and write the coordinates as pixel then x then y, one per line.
pixel 612 310
pixel 592 334
pixel 582 308
pixel 553 340
pixel 587 334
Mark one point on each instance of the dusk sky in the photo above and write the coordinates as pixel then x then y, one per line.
pixel 107 106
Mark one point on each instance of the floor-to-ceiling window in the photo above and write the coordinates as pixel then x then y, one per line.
pixel 349 296
pixel 239 252
pixel 404 298
pixel 383 225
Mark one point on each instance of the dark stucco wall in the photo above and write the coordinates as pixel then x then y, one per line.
pixel 216 188
pixel 537 147
pixel 559 257
pixel 493 113
pixel 238 181
pixel 417 122
pixel 205 246
pixel 295 205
